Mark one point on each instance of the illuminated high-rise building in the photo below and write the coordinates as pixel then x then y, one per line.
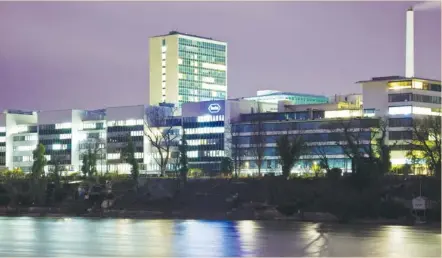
pixel 187 68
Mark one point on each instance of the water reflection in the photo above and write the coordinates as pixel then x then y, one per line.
pixel 247 230
pixel 193 238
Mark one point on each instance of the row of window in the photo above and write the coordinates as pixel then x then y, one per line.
pixel 204 130
pixel 46 131
pixel 186 68
pixel 125 128
pixel 314 137
pixel 308 150
pixel 200 44
pixel 404 97
pixel 311 125
pixel 196 85
pixel 197 78
pixel 400 135
pixel 408 84
pixel 272 116
pixel 204 58
pixel 22 138
pixel 201 51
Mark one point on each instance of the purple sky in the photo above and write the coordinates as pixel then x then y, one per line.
pixel 92 55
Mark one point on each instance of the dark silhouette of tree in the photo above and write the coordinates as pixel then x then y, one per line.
pixel 227 165
pixel 38 172
pixel 258 138
pixel 183 161
pixel 128 156
pixel 426 142
pixel 289 150
pixel 234 149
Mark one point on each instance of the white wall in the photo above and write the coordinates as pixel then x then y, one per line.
pixel 376 96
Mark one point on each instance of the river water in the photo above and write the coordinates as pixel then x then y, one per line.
pixel 122 237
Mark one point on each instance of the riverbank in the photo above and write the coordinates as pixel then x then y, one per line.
pixel 314 217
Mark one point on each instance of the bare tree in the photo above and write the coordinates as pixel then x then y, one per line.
pixel 321 152
pixel 162 134
pixel 258 139
pixel 234 149
pixel 372 151
pixel 426 142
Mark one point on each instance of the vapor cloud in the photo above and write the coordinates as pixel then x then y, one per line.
pixel 427 5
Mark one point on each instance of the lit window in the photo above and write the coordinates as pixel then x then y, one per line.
pixel 136 133
pixel 2 139
pixel 63 126
pixel 65 136
pixel 2 129
pixel 59 146
pixel 418 85
pixel 404 110
pixel 425 111
pixel 25 148
pixel 113 156
pixel 163 49
pixel 131 122
pixel 163 56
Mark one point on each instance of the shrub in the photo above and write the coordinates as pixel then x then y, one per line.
pixel 334 173
pixel 195 172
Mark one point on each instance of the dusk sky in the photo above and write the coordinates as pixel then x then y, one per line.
pixel 91 55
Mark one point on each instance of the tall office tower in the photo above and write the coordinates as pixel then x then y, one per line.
pixel 187 68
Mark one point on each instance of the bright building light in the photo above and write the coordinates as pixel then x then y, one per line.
pixel 425 111
pixel 25 148
pixel 404 110
pixel 65 136
pixel 2 129
pixel 113 155
pixel 136 133
pixel 63 126
pixel 342 113
pixel 2 139
pixel 214 66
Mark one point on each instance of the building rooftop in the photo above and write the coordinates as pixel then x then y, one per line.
pixel 174 32
pixel 397 78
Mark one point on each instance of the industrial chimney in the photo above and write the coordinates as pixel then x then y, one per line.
pixel 409 44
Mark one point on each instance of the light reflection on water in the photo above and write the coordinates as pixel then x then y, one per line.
pixel 123 237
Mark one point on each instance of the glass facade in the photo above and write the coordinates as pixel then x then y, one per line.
pixel 206 145
pixel 320 136
pixel 296 99
pixel 56 138
pixel 405 97
pixel 202 69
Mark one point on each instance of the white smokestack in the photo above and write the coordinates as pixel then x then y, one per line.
pixel 409 44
